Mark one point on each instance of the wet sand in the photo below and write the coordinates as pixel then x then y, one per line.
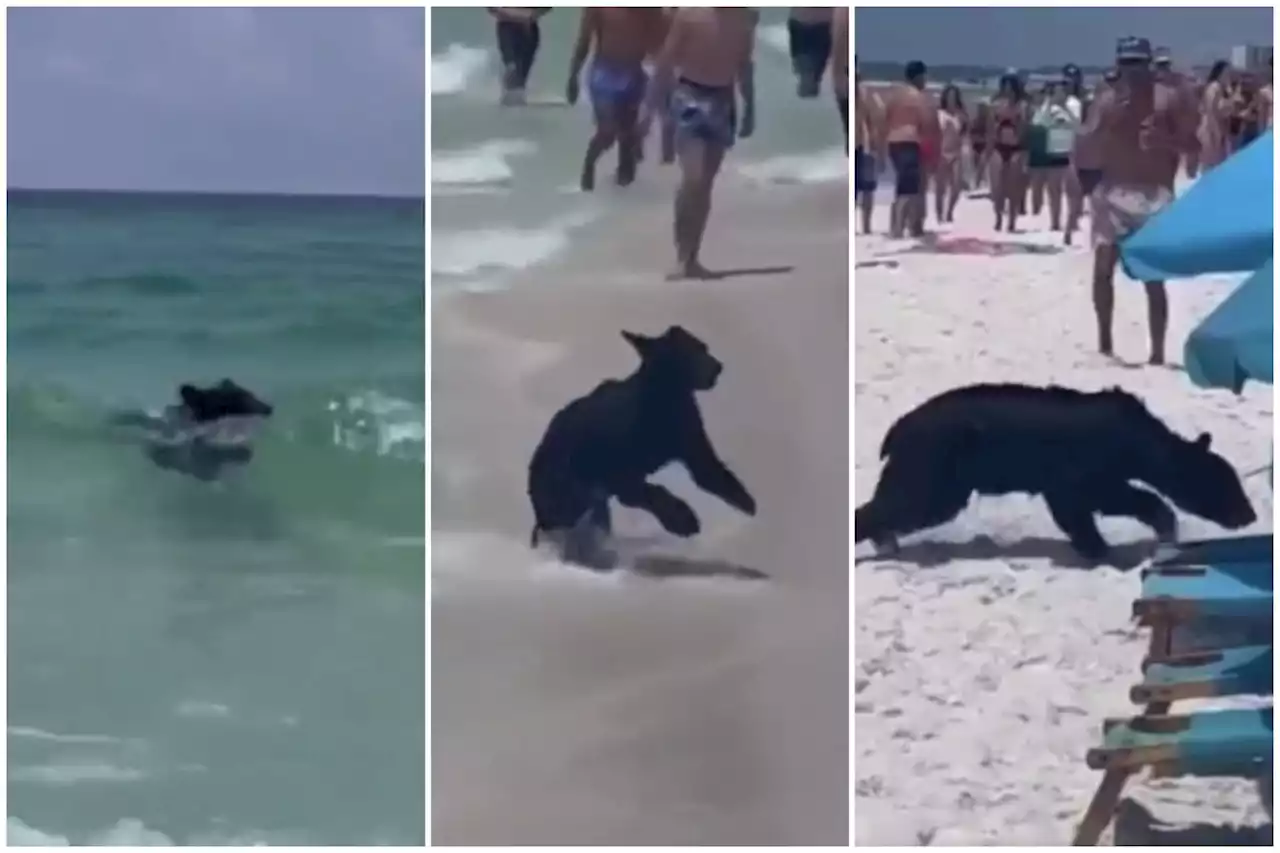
pixel 705 709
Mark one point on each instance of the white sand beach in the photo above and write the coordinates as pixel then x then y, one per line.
pixel 984 667
pixel 578 708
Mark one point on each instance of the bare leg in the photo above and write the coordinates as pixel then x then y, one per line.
pixel 1157 318
pixel 629 146
pixel 954 196
pixel 941 184
pixel 867 202
pixel 998 172
pixel 1075 204
pixel 1054 187
pixel 606 134
pixel 667 136
pixel 1104 272
pixel 699 163
pixel 1039 179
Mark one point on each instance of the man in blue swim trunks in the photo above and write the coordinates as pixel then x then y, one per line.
pixel 708 51
pixel 618 39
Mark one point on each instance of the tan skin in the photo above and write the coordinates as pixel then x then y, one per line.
pixel 1007 125
pixel 910 115
pixel 621 37
pixel 1139 128
pixel 868 119
pixel 947 180
pixel 713 47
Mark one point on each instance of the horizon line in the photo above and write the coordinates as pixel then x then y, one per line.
pixel 209 192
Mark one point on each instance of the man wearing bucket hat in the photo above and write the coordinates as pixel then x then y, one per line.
pixel 1137 130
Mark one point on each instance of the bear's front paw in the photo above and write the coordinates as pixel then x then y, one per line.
pixel 680 520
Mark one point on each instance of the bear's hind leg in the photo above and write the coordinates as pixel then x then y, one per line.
pixel 1074 516
pixel 1125 499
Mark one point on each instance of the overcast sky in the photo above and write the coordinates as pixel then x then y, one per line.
pixel 1030 37
pixel 258 100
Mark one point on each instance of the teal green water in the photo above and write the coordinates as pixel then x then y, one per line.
pixel 224 662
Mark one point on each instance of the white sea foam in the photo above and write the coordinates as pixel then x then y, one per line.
pixel 456 68
pixel 481 168
pixel 32 733
pixel 467 253
pixel 775 36
pixel 127 832
pixel 814 167
pixel 73 772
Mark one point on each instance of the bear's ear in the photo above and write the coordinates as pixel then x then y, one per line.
pixel 1203 440
pixel 640 342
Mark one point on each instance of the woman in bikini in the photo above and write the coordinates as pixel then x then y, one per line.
pixel 1214 113
pixel 953 122
pixel 1246 114
pixel 1008 155
pixel 978 143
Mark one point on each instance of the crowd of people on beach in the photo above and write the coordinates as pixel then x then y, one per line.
pixel 1113 151
pixel 683 70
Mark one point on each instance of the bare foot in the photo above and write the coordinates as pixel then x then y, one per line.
pixel 1157 359
pixel 689 270
pixel 588 182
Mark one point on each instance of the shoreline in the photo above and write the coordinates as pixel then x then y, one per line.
pixel 694 709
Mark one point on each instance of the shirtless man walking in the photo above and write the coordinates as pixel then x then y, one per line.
pixel 707 51
pixel 911 122
pixel 809 40
pixel 518 40
pixel 621 38
pixel 868 152
pixel 1137 128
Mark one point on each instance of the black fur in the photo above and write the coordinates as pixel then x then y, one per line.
pixel 1083 452
pixel 226 399
pixel 607 443
pixel 173 440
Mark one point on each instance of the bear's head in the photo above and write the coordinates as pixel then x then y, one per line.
pixel 1204 484
pixel 677 358
pixel 224 400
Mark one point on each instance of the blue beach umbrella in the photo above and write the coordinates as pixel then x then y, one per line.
pixel 1235 343
pixel 1222 224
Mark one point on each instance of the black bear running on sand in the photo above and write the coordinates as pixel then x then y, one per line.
pixel 608 442
pixel 1081 451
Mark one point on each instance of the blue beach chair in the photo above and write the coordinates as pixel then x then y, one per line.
pixel 1204 583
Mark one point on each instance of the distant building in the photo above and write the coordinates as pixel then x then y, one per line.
pixel 1250 57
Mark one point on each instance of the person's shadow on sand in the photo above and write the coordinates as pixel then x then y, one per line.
pixel 1136 826
pixel 744 272
pixel 666 566
pixel 931 554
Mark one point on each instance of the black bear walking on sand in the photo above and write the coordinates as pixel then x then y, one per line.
pixel 1083 452
pixel 607 443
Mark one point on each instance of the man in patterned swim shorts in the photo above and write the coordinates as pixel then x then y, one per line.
pixel 1140 131
pixel 711 50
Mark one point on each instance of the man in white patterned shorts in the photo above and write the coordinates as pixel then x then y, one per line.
pixel 1139 131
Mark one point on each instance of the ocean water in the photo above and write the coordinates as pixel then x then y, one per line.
pixel 504 182
pixel 230 662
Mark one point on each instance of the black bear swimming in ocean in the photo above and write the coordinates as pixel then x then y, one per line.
pixel 607 443
pixel 1081 451
pixel 205 431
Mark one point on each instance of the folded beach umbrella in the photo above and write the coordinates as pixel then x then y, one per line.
pixel 1222 224
pixel 1234 343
